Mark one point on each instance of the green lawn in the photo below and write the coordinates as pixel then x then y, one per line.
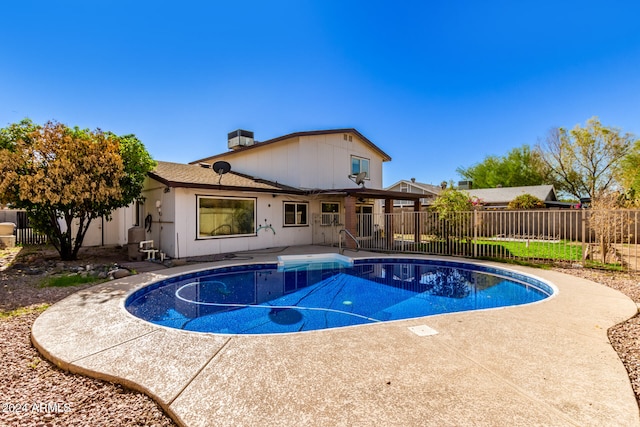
pixel 68 280
pixel 558 251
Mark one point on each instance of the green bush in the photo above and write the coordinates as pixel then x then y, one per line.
pixel 525 201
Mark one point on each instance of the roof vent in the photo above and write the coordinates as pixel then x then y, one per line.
pixel 240 138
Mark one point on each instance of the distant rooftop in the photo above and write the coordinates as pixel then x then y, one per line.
pixel 504 195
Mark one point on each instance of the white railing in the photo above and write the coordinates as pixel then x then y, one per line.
pixel 347 234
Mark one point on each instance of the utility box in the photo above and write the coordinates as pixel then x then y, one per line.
pixel 7 238
pixel 240 138
pixel 135 235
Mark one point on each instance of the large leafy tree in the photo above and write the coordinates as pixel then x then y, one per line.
pixel 61 174
pixel 583 160
pixel 520 167
pixel 628 173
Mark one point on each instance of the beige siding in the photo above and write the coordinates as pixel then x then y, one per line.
pixel 314 161
pixel 179 239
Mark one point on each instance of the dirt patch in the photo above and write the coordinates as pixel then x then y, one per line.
pixel 22 270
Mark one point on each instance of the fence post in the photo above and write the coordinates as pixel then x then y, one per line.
pixel 584 237
pixel 475 233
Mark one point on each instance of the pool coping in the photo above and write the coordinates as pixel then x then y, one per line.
pixel 546 363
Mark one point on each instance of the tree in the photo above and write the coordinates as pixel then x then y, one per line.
pixel 520 167
pixel 608 227
pixel 453 207
pixel 451 201
pixel 629 175
pixel 583 160
pixel 60 174
pixel 525 201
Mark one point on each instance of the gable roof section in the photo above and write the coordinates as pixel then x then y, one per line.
pixel 385 156
pixel 507 194
pixel 425 187
pixel 195 176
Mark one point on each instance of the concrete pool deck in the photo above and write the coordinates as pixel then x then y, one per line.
pixel 548 363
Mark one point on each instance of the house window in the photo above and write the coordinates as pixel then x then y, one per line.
pixel 330 213
pixel 224 217
pixel 359 164
pixel 295 214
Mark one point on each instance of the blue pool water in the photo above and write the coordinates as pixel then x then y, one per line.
pixel 272 298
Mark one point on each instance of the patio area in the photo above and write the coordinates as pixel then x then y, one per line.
pixel 542 364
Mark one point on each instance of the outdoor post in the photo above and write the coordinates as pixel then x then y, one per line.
pixel 388 223
pixel 475 233
pixel 416 226
pixel 584 236
pixel 350 221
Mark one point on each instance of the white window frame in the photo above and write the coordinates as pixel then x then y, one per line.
pixel 330 218
pixel 360 166
pixel 297 218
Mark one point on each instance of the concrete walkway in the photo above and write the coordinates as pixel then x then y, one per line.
pixel 548 363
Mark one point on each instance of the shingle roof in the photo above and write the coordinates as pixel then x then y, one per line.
pixel 507 194
pixel 196 176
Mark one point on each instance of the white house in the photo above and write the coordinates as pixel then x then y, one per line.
pixel 427 192
pixel 492 198
pixel 298 189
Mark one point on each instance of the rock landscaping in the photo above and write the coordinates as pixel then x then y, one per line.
pixel 33 391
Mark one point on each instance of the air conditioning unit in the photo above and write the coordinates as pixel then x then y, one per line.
pixel 465 185
pixel 240 138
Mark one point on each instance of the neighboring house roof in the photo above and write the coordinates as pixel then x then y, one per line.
pixel 195 176
pixel 426 192
pixel 435 189
pixel 385 156
pixel 496 196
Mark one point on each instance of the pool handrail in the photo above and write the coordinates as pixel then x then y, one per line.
pixel 341 250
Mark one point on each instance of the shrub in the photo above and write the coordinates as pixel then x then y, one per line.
pixel 525 201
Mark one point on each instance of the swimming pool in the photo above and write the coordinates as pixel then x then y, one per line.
pixel 325 293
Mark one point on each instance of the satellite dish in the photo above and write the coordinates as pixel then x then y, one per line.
pixel 358 178
pixel 221 167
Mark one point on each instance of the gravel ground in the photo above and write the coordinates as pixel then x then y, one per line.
pixel 34 392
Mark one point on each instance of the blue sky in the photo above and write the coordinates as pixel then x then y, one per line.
pixel 435 84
